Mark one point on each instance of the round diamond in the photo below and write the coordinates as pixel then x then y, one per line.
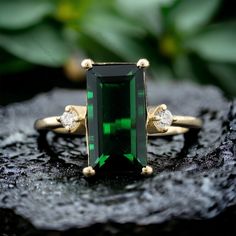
pixel 68 119
pixel 165 119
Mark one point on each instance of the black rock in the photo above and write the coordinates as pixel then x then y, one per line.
pixel 42 189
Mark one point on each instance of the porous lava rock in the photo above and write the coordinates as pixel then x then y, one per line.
pixel 42 189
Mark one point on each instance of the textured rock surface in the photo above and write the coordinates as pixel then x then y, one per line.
pixel 42 188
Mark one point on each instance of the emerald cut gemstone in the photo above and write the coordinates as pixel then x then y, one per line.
pixel 116 104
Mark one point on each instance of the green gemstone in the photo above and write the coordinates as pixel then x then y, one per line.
pixel 116 116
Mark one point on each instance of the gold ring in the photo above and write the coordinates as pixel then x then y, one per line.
pixel 160 122
pixel 116 119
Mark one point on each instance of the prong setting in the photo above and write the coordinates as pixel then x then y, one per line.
pixel 163 107
pixel 161 118
pixel 87 64
pixel 70 119
pixel 68 108
pixel 143 63
pixel 89 171
pixel 147 171
pixel 154 118
pixel 159 109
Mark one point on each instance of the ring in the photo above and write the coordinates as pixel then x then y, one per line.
pixel 116 120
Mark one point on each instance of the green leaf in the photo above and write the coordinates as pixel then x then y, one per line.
pixel 115 34
pixel 216 43
pixel 146 13
pixel 183 68
pixel 16 14
pixel 225 74
pixel 118 44
pixel 190 15
pixel 40 45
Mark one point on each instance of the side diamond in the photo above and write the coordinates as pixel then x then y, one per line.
pixel 164 118
pixel 68 119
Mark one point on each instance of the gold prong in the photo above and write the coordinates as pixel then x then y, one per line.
pixel 163 107
pixel 87 64
pixel 89 171
pixel 77 119
pixel 159 108
pixel 152 118
pixel 58 118
pixel 156 118
pixel 68 108
pixel 143 63
pixel 147 170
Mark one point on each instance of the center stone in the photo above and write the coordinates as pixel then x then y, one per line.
pixel 116 105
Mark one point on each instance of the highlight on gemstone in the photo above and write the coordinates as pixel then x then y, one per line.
pixel 116 116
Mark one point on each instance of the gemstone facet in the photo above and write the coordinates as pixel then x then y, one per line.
pixel 68 119
pixel 165 119
pixel 116 104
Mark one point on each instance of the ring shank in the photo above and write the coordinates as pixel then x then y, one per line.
pixel 51 123
pixel 180 125
pixel 48 123
pixel 172 130
pixel 187 121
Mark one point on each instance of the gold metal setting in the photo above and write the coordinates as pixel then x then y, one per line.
pixel 87 64
pixel 179 125
pixel 54 123
pixel 143 63
pixel 89 171
pixel 147 170
pixel 151 118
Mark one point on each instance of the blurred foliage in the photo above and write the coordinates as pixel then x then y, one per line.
pixel 181 38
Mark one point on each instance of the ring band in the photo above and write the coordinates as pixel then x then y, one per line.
pixel 76 123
